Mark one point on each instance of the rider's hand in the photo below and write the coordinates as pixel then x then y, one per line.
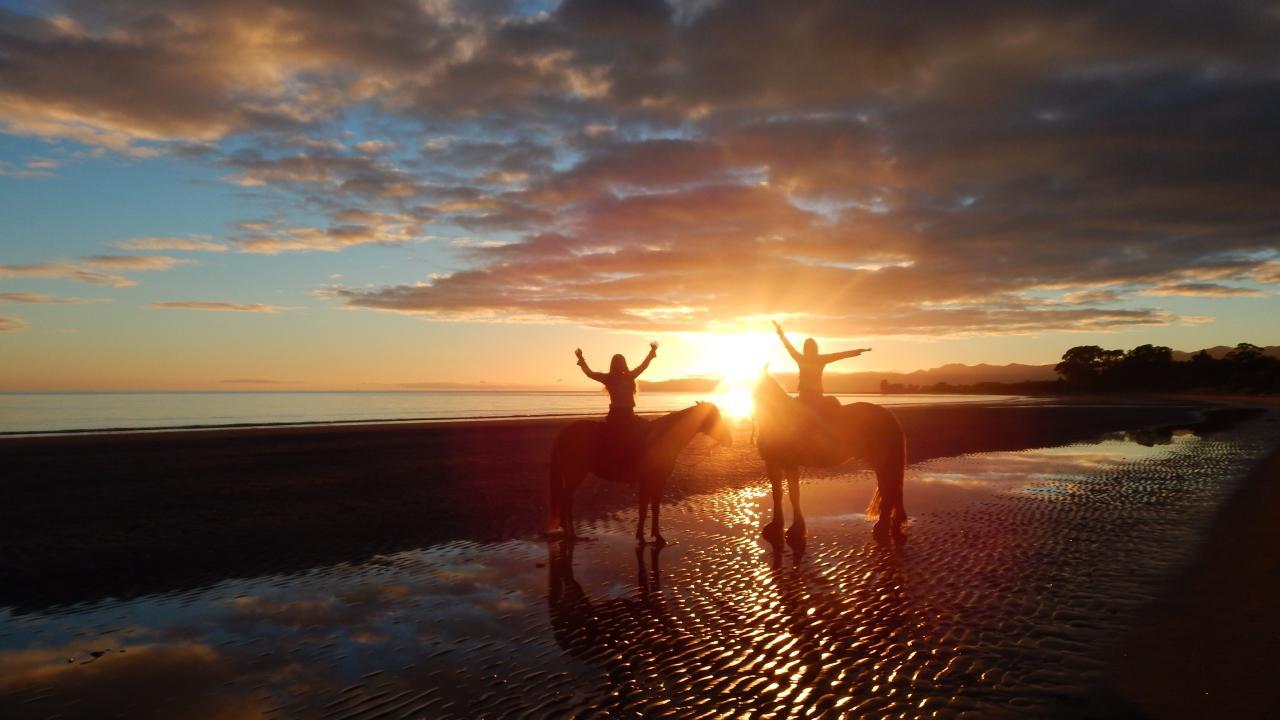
pixel 653 348
pixel 776 326
pixel 578 353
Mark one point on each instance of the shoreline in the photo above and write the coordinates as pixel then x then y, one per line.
pixel 1047 400
pixel 71 432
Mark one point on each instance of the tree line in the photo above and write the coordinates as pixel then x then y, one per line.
pixel 1245 368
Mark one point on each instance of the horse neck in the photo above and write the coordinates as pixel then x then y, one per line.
pixel 673 431
pixel 774 408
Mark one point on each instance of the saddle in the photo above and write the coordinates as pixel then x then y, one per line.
pixel 814 422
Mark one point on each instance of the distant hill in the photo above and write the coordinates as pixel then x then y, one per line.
pixel 693 384
pixel 952 373
pixel 1219 351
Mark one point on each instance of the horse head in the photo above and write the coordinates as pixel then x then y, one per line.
pixel 767 393
pixel 713 425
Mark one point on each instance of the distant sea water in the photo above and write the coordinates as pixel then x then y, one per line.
pixel 24 413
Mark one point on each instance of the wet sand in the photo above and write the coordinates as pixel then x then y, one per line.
pixel 1022 572
pixel 121 515
pixel 1209 646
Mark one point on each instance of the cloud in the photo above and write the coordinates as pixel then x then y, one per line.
pixel 12 324
pixel 214 306
pixel 46 299
pixel 644 165
pixel 64 271
pixel 1201 289
pixel 89 269
pixel 349 229
pixel 137 263
pixel 194 244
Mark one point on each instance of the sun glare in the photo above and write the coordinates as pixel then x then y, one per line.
pixel 737 360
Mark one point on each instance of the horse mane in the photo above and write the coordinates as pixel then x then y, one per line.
pixel 672 419
pixel 768 389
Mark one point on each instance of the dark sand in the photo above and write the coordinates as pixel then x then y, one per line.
pixel 1210 647
pixel 121 515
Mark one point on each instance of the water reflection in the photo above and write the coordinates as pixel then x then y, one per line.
pixel 1019 569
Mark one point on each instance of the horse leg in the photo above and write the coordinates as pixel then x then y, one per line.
pixel 899 508
pixel 773 531
pixel 796 533
pixel 655 500
pixel 571 483
pixel 642 488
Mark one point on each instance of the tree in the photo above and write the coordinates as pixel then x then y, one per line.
pixel 1146 367
pixel 1085 366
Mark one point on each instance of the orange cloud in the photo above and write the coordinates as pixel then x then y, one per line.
pixel 11 324
pixel 46 299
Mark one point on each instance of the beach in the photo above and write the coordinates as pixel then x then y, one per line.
pixel 399 568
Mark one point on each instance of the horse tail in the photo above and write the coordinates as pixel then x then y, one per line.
pixel 555 489
pixel 873 507
pixel 890 469
pixel 895 475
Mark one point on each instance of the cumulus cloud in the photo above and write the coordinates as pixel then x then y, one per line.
pixel 991 167
pixel 215 306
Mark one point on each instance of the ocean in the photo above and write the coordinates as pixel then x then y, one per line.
pixel 25 413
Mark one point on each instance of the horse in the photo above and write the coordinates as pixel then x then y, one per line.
pixel 792 434
pixel 577 451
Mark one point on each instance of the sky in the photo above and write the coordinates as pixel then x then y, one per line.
pixel 289 194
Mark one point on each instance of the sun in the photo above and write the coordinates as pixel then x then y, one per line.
pixel 737 360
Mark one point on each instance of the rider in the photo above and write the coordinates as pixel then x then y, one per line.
pixel 811 365
pixel 622 427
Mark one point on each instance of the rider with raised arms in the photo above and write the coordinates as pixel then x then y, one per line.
pixel 811 364
pixel 624 430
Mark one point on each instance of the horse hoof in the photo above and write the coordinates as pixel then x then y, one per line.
pixel 659 541
pixel 772 532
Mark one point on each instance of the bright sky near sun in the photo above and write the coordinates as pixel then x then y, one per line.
pixel 286 195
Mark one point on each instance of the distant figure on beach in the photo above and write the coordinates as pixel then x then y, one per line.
pixel 625 432
pixel 811 365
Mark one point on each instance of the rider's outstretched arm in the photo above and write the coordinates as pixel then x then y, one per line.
pixel 653 353
pixel 787 343
pixel 582 363
pixel 832 357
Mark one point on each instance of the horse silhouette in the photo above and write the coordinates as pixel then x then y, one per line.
pixel 793 434
pixel 582 448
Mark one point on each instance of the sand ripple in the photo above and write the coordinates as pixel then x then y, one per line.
pixel 1021 571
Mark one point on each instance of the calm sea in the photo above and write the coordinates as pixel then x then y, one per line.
pixel 65 412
